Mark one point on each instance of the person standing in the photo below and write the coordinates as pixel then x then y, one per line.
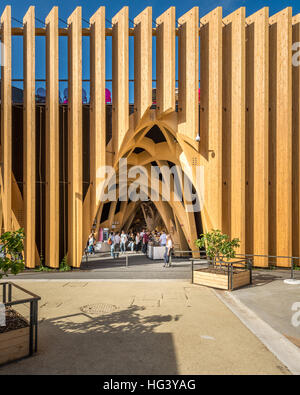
pixel 145 242
pixel 168 251
pixel 131 241
pixel 117 241
pixel 123 242
pixel 110 242
pixel 163 239
pixel 91 244
pixel 137 242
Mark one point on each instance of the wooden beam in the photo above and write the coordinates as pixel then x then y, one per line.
pixel 234 122
pixel 29 152
pixel 120 77
pixel 280 159
pixel 188 74
pixel 52 141
pixel 211 117
pixel 257 135
pixel 165 62
pixel 75 198
pixel 142 63
pixel 6 121
pixel 296 141
pixel 97 107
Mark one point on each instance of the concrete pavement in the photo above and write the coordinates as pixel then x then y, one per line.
pixel 140 327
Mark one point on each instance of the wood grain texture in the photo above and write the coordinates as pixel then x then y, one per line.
pixel 52 141
pixel 97 108
pixel 6 121
pixel 211 117
pixel 234 123
pixel 142 63
pixel 29 133
pixel 280 135
pixel 165 62
pixel 188 74
pixel 75 198
pixel 296 140
pixel 257 138
pixel 120 76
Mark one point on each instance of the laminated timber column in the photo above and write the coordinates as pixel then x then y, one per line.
pixel 211 117
pixel 188 74
pixel 120 78
pixel 296 141
pixel 257 135
pixel 97 106
pixel 52 140
pixel 234 123
pixel 29 152
pixel 6 121
pixel 280 136
pixel 165 62
pixel 142 63
pixel 75 139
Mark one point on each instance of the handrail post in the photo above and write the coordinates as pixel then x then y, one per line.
pixel 192 271
pixel 9 292
pixel 292 268
pixel 4 293
pixel 126 257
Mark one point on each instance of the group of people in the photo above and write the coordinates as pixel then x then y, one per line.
pixel 120 242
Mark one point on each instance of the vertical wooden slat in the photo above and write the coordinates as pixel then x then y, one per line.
pixel 142 63
pixel 120 78
pixel 97 104
pixel 75 139
pixel 211 117
pixel 6 121
pixel 234 119
pixel 296 140
pixel 188 74
pixel 52 140
pixel 257 134
pixel 165 62
pixel 280 137
pixel 29 136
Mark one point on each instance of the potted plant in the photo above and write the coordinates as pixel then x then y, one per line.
pixel 223 270
pixel 18 336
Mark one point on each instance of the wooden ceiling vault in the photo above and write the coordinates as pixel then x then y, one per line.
pixel 249 124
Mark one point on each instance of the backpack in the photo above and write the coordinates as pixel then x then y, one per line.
pixel 109 241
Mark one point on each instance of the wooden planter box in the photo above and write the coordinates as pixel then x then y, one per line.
pixel 19 337
pixel 14 345
pixel 222 279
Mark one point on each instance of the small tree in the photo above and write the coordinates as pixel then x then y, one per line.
pixel 218 245
pixel 11 258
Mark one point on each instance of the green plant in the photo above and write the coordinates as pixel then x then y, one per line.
pixel 12 248
pixel 64 267
pixel 218 245
pixel 42 268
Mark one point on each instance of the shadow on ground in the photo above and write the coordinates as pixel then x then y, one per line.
pixel 121 342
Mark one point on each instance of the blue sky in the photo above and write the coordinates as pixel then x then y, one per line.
pixel 42 8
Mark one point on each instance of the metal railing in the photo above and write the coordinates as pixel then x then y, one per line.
pixel 7 299
pixel 292 259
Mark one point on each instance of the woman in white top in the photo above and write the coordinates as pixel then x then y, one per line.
pixel 137 242
pixel 168 251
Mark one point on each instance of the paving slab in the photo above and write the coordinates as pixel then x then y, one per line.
pixel 140 327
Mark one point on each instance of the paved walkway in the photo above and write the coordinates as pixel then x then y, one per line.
pixel 140 327
pixel 103 266
pixel 273 301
